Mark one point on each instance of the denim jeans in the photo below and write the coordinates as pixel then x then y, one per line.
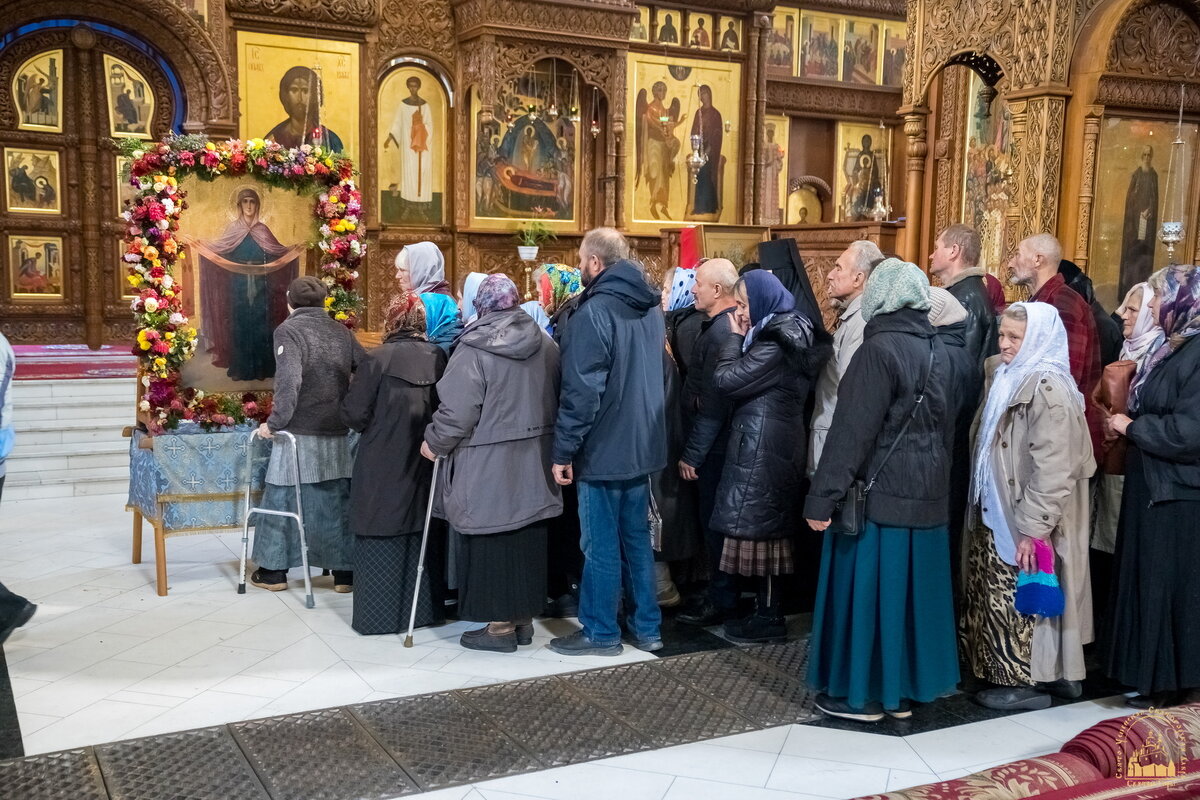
pixel 615 537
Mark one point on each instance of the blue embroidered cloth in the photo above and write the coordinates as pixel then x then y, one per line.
pixel 191 463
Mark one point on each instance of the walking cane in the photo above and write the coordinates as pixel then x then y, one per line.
pixel 412 614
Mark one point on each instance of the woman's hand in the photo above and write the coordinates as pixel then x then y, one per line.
pixel 737 326
pixel 265 432
pixel 428 452
pixel 1118 424
pixel 817 525
pixel 1027 555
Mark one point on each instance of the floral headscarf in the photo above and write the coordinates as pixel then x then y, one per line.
pixel 893 285
pixel 1179 316
pixel 406 316
pixel 557 283
pixel 496 293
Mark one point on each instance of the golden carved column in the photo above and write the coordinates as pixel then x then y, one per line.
pixel 756 107
pixel 1087 184
pixel 915 119
pixel 614 166
pixel 1037 130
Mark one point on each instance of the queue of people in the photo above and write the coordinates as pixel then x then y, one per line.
pixel 614 448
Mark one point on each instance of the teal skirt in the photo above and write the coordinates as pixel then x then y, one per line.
pixel 883 625
pixel 326 527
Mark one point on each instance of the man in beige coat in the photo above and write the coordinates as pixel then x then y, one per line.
pixel 1033 458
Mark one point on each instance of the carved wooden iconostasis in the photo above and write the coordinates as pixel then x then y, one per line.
pixel 1055 116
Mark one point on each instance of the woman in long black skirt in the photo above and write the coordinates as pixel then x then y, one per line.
pixel 391 400
pixel 495 427
pixel 1154 645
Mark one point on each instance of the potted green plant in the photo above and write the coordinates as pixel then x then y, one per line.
pixel 530 237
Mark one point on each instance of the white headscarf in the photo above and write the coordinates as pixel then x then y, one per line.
pixel 426 266
pixel 534 309
pixel 1043 351
pixel 1147 334
pixel 466 306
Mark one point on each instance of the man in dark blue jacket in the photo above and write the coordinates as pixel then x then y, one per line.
pixel 609 436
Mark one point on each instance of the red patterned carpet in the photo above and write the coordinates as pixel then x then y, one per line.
pixel 73 361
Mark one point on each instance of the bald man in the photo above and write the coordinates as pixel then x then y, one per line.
pixel 707 413
pixel 1035 266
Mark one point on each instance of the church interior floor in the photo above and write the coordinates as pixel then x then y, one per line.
pixel 105 659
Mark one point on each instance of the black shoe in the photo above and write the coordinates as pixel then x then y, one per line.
pixel 645 645
pixel 22 615
pixel 273 580
pixel 704 615
pixel 576 644
pixel 524 634
pixel 904 711
pixel 483 639
pixel 343 581
pixel 1014 698
pixel 1166 699
pixel 756 629
pixel 831 706
pixel 566 605
pixel 1067 690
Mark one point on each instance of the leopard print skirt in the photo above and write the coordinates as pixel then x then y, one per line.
pixel 997 639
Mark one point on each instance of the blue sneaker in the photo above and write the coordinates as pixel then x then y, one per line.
pixel 577 644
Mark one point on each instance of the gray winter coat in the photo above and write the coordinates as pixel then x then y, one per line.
pixel 314 357
pixel 495 426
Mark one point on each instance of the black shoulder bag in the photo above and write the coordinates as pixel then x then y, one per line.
pixel 850 515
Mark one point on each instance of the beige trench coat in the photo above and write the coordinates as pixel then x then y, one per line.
pixel 1042 459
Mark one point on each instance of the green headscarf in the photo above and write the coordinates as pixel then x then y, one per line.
pixel 894 285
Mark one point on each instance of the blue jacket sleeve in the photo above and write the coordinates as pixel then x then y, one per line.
pixel 586 362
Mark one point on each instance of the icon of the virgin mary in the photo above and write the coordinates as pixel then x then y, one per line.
pixel 244 276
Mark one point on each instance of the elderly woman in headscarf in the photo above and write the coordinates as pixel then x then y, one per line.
pixel 1142 335
pixel 442 321
pixel 391 400
pixel 883 626
pixel 421 268
pixel 466 304
pixel 682 319
pixel 766 366
pixel 1029 509
pixel 559 287
pixel 494 427
pixel 1155 611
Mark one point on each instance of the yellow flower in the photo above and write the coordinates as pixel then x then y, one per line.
pixel 172 181
pixel 160 361
pixel 328 302
pixel 209 146
pixel 169 335
pixel 341 316
pixel 134 280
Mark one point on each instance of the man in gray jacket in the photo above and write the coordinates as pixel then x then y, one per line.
pixel 609 436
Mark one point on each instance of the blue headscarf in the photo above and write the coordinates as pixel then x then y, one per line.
pixel 470 288
pixel 682 281
pixel 766 297
pixel 535 310
pixel 442 320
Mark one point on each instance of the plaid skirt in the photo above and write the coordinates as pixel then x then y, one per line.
pixel 757 557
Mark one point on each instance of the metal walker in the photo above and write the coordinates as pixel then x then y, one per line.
pixel 297 515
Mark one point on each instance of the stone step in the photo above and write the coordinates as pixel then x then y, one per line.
pixel 49 491
pixel 52 477
pixel 29 412
pixel 71 431
pixel 93 388
pixel 83 455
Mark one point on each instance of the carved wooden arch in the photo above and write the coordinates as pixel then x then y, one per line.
pixel 988 66
pixel 599 68
pixel 180 40
pixel 444 76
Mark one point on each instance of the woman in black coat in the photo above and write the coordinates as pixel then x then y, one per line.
pixel 391 400
pixel 766 366
pixel 1154 645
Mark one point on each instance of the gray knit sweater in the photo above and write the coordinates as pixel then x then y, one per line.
pixel 314 357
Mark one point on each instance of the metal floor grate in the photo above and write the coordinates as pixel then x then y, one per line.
pixel 396 747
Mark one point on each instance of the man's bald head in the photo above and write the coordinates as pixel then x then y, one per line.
pixel 715 279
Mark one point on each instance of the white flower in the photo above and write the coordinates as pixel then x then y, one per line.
pixel 138 154
pixel 177 319
pixel 162 223
pixel 144 405
pixel 169 205
pixel 132 258
pixel 167 281
pixel 354 275
pixel 325 231
pixel 151 305
pixel 323 245
pixel 146 381
pixel 159 186
pixel 127 215
pixel 135 304
pixel 355 247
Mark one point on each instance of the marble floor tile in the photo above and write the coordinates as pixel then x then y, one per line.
pixel 693 789
pixel 705 761
pixel 1063 722
pixel 992 740
pixel 583 782
pixel 871 749
pixel 826 778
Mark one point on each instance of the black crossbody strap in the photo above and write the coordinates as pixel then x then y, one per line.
pixel 904 428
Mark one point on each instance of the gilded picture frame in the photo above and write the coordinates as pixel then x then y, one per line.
pixel 32 181
pixel 130 100
pixel 865 160
pixel 669 100
pixel 414 131
pixel 738 243
pixel 298 90
pixel 639 31
pixel 774 191
pixel 782 42
pixel 37 92
pixel 820 46
pixel 35 268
